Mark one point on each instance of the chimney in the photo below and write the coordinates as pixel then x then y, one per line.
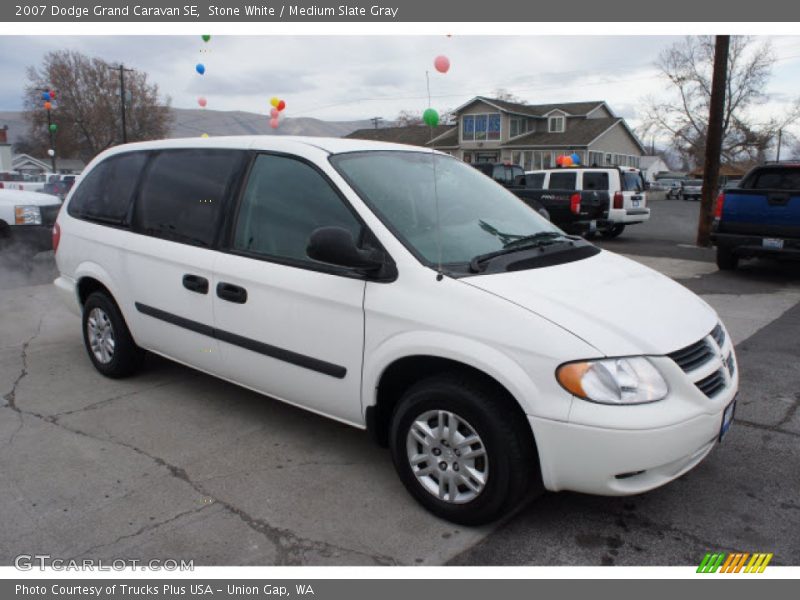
pixel 4 135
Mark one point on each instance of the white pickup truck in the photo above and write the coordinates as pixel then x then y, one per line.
pixel 11 180
pixel 26 221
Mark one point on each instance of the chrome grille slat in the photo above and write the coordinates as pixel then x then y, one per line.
pixel 713 384
pixel 693 356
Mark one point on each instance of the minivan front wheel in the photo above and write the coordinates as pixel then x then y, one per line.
pixel 460 451
pixel 107 339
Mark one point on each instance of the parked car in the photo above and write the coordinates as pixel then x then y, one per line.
pixel 12 180
pixel 760 217
pixel 627 199
pixel 494 355
pixel 504 173
pixel 672 187
pixel 573 211
pixel 59 186
pixel 691 189
pixel 26 221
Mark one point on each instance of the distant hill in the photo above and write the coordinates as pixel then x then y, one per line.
pixel 190 122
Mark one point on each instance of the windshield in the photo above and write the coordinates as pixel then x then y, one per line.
pixel 476 215
pixel 693 183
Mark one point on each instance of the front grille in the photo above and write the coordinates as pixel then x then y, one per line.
pixel 693 356
pixel 718 333
pixel 713 384
pixel 49 214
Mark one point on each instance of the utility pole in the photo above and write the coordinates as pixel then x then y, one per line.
pixel 376 121
pixel 778 153
pixel 713 138
pixel 122 70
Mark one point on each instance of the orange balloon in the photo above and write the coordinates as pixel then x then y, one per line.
pixel 48 105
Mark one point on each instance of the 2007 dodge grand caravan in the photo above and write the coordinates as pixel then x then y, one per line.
pixel 401 291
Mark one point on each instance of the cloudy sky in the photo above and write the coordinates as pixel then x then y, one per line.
pixel 347 78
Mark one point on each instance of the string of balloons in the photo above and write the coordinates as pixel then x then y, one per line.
pixel 201 70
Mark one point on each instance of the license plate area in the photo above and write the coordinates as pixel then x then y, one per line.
pixel 772 243
pixel 727 419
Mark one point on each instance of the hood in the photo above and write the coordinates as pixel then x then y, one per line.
pixel 613 303
pixel 19 197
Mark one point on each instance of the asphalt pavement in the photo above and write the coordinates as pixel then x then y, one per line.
pixel 174 463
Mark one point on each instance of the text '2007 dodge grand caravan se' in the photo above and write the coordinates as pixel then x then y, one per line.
pixel 401 291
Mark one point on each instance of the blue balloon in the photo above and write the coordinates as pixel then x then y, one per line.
pixel 576 158
pixel 45 96
pixel 200 68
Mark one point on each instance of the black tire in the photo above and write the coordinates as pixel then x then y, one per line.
pixel 613 231
pixel 726 259
pixel 126 358
pixel 511 459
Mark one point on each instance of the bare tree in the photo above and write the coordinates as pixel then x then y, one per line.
pixel 86 109
pixel 683 115
pixel 408 117
pixel 506 96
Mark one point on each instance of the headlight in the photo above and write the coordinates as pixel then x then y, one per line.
pixel 27 215
pixel 614 380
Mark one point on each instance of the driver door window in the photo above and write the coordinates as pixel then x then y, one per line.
pixel 285 201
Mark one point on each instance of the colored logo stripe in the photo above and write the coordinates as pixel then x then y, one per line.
pixel 734 562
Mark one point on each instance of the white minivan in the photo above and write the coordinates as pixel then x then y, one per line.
pixel 401 291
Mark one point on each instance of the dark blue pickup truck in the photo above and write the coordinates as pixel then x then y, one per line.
pixel 759 218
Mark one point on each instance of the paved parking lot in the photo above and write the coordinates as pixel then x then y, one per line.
pixel 173 463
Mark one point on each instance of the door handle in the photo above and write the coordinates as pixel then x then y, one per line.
pixel 231 293
pixel 195 283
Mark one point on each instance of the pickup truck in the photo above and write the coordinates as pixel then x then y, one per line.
pixel 26 221
pixel 759 218
pixel 573 211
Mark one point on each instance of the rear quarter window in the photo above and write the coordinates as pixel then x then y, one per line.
pixel 183 192
pixel 774 179
pixel 595 180
pixel 562 181
pixel 632 182
pixel 107 191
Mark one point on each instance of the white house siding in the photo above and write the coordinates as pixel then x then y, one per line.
pixel 619 144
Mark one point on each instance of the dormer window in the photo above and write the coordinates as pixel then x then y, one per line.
pixel 555 124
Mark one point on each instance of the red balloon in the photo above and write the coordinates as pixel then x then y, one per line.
pixel 52 95
pixel 442 64
pixel 281 105
pixel 559 160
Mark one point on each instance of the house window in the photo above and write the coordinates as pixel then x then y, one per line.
pixel 517 126
pixel 555 124
pixel 608 159
pixel 480 127
pixel 526 163
pixel 516 158
pixel 467 157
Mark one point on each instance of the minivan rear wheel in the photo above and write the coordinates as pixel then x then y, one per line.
pixel 460 451
pixel 107 338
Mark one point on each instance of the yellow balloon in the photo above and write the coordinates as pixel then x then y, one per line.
pixel 274 101
pixel 204 135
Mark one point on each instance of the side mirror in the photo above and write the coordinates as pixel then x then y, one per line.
pixel 336 246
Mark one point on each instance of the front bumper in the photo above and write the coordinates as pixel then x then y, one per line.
pixel 614 462
pixel 31 238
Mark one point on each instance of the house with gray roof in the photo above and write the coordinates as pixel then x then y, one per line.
pixel 531 135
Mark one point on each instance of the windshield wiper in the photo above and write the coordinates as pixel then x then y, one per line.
pixel 537 240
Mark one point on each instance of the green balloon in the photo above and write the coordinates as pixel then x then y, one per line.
pixel 53 127
pixel 431 117
pixel 206 37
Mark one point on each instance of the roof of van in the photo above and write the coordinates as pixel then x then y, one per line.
pixel 268 142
